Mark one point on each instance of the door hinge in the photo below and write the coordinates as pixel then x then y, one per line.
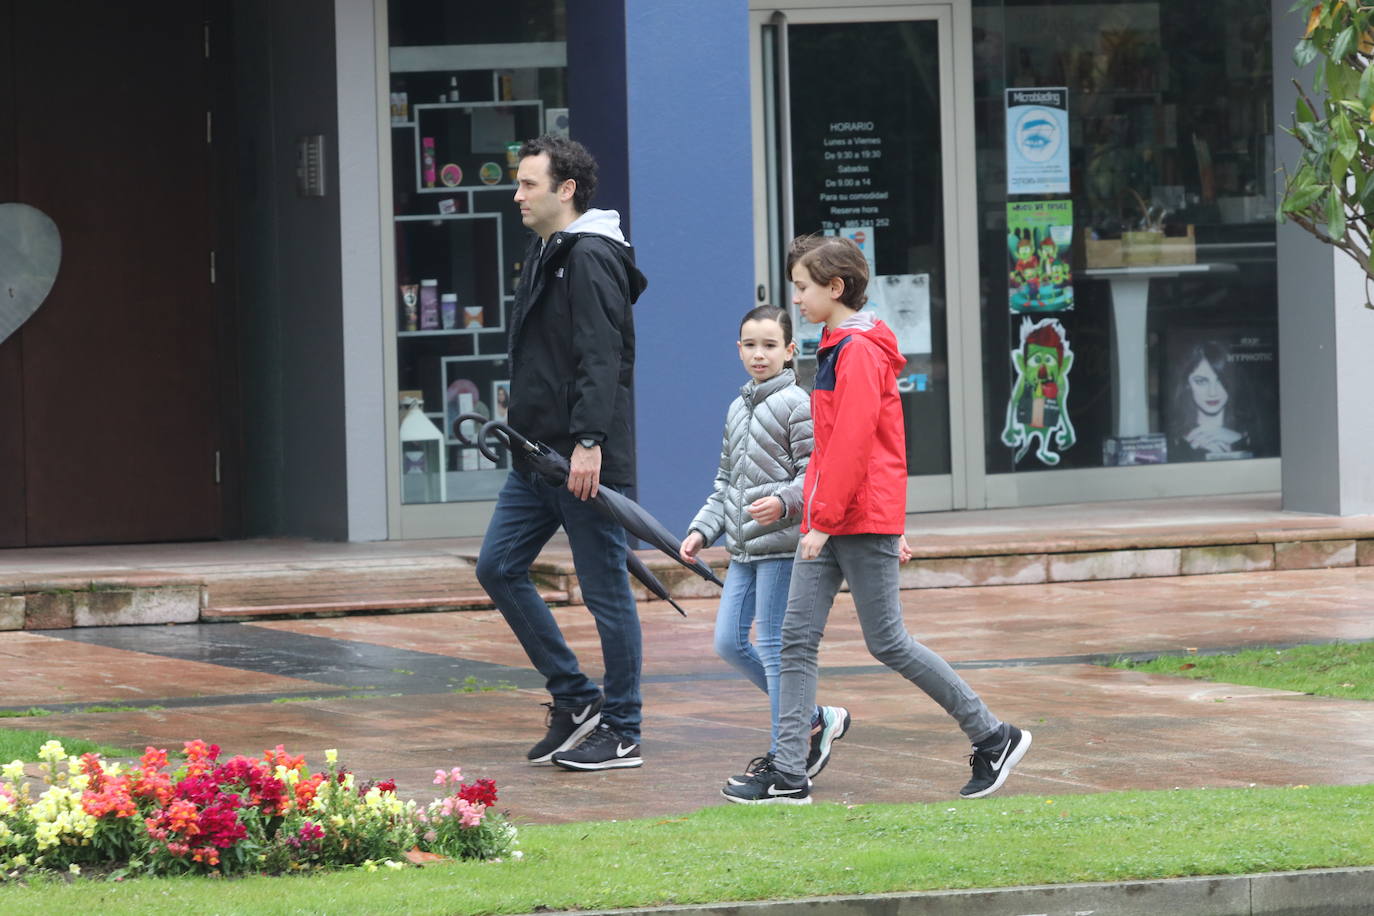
pixel 212 267
pixel 217 465
pixel 207 41
pixel 209 127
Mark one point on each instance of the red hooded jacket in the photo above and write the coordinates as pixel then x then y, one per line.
pixel 856 481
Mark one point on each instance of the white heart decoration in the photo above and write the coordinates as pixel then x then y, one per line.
pixel 30 253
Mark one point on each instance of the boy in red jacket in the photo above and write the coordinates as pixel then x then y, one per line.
pixel 853 519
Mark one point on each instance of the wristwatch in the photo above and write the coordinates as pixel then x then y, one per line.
pixel 587 442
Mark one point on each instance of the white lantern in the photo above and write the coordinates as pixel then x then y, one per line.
pixel 422 457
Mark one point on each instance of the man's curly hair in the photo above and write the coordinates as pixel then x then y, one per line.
pixel 567 159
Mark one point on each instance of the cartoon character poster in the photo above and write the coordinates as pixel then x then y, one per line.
pixel 1039 240
pixel 1039 406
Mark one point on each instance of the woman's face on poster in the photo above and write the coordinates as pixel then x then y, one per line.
pixel 1209 394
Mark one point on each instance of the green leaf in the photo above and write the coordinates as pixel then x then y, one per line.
pixel 1367 88
pixel 1344 42
pixel 1300 198
pixel 1335 214
pixel 1305 113
pixel 1304 53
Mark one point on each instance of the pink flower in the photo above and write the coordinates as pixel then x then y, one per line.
pixel 471 815
pixel 456 775
pixel 440 777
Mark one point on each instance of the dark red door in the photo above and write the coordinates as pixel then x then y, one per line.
pixel 117 370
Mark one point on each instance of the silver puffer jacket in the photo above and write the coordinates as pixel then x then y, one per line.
pixel 764 452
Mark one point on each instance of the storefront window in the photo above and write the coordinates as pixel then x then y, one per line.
pixel 1126 206
pixel 469 82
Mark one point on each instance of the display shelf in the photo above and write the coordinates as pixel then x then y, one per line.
pixel 443 332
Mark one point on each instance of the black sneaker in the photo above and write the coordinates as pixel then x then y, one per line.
pixel 754 766
pixel 769 786
pixel 567 725
pixel 834 723
pixel 992 764
pixel 603 749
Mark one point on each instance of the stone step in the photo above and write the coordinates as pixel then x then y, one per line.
pixel 326 580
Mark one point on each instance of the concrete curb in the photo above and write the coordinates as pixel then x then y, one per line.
pixel 1316 892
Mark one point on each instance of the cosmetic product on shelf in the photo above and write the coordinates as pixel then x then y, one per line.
pixel 429 305
pixel 410 306
pixel 453 89
pixel 427 159
pixel 473 316
pixel 448 311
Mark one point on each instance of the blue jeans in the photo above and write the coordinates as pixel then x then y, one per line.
pixel 755 592
pixel 528 513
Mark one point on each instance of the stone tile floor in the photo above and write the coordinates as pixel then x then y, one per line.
pixel 1026 649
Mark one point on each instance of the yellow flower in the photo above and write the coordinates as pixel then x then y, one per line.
pixel 19 861
pixel 393 865
pixel 74 868
pixel 331 756
pixel 369 865
pixel 13 771
pixel 52 751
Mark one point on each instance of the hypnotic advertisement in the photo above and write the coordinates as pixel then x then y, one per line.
pixel 1038 141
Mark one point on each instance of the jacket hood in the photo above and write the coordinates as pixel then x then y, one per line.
pixel 599 222
pixel 594 224
pixel 872 329
pixel 757 392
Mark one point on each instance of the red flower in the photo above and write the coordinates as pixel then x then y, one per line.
pixel 482 792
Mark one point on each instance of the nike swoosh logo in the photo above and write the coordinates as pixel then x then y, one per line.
pixel 586 711
pixel 773 790
pixel 1006 750
pixel 621 750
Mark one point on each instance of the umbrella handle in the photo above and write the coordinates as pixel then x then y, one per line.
pixel 511 436
pixel 458 427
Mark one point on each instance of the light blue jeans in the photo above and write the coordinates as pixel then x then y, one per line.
pixel 755 594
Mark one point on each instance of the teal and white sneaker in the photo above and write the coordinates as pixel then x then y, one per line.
pixel 830 726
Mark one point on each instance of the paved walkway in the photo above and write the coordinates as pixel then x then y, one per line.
pixel 403 694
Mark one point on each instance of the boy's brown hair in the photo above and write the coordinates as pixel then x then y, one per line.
pixel 826 257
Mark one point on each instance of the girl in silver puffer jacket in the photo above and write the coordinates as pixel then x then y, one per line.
pixel 756 503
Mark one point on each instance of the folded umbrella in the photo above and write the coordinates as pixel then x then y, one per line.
pixel 631 516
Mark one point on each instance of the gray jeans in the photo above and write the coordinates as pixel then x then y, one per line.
pixel 870 564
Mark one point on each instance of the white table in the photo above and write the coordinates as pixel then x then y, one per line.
pixel 1130 302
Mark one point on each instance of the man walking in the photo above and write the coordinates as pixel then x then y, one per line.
pixel 572 364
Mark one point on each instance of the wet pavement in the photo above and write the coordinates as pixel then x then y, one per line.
pixel 403 694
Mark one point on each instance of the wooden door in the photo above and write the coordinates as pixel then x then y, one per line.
pixel 120 411
pixel 12 509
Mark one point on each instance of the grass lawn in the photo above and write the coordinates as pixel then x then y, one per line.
pixel 1336 670
pixel 23 744
pixel 737 853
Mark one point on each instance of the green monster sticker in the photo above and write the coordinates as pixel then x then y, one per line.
pixel 1039 405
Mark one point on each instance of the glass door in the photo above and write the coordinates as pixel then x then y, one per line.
pixel 856 120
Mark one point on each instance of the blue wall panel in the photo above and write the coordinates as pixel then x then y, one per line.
pixel 691 196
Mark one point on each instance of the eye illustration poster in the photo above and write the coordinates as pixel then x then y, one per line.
pixel 1038 141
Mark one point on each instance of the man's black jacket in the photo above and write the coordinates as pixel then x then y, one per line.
pixel 572 347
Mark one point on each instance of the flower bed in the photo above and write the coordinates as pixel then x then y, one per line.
pixel 267 815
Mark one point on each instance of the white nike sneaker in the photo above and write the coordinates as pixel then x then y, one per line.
pixel 992 765
pixel 603 749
